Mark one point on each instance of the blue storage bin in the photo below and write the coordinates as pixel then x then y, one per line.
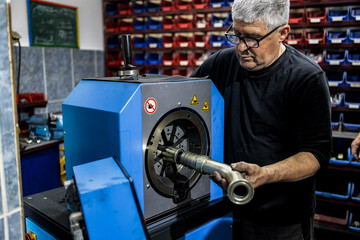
pixel 354 217
pixel 139 59
pixel 154 58
pixel 330 185
pixel 352 100
pixel 354 35
pixel 154 71
pixel 139 42
pixel 336 120
pixel 337 36
pixel 218 3
pixel 229 20
pixel 139 24
pixel 154 41
pixel 337 99
pixel 218 21
pixel 340 151
pixel 153 7
pixel 335 57
pixel 138 7
pixel 155 23
pixel 337 79
pixel 353 58
pixel 111 9
pixel 353 79
pixel 229 3
pixel 355 192
pixel 337 14
pixel 113 42
pixel 218 41
pixel 354 13
pixel 351 121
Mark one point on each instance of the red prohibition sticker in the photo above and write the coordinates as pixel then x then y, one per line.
pixel 150 105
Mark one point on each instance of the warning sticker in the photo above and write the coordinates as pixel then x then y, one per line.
pixel 206 106
pixel 150 105
pixel 194 100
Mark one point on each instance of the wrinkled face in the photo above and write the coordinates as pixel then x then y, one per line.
pixel 253 59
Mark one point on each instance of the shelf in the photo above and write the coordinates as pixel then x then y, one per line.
pixel 173 30
pixel 325 24
pixel 317 46
pixel 339 67
pixel 176 12
pixel 162 49
pixel 323 3
pixel 346 135
pixel 344 109
pixel 158 66
pixel 348 202
pixel 31 105
pixel 345 168
pixel 344 89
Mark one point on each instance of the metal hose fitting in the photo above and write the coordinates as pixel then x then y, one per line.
pixel 239 190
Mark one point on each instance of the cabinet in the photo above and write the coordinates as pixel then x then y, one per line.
pixel 174 37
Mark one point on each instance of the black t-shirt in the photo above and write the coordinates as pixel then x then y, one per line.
pixel 272 114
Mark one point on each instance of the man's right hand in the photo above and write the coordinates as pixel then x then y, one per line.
pixel 355 146
pixel 219 180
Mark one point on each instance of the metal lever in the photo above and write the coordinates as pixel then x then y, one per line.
pixel 128 71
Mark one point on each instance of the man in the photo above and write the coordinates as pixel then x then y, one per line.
pixel 277 120
pixel 355 146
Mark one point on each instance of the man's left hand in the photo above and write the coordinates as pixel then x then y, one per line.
pixel 255 174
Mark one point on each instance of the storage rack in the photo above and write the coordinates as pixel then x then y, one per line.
pixel 113 61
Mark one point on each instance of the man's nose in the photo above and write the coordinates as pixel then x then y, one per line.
pixel 242 46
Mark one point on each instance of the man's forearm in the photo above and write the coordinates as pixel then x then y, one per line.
pixel 297 167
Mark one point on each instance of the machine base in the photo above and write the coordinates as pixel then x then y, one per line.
pixel 208 220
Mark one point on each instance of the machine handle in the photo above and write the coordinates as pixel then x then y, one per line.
pixel 126 50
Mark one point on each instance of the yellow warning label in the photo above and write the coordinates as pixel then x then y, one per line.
pixel 205 106
pixel 194 100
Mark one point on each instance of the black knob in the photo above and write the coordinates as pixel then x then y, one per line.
pixel 126 50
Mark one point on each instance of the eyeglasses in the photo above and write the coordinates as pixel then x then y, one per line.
pixel 249 42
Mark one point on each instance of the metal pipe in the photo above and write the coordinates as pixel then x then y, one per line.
pixel 239 190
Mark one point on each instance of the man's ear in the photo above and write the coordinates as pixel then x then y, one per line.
pixel 284 32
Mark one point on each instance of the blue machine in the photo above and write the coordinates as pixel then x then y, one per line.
pixel 120 185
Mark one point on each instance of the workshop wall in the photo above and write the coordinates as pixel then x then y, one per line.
pixel 10 208
pixel 56 71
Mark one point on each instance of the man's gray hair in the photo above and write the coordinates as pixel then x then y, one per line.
pixel 273 12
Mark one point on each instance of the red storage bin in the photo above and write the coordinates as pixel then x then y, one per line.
pixel 201 40
pixel 167 59
pixel 314 36
pixel 168 22
pixel 125 8
pixel 184 21
pixel 168 41
pixel 297 15
pixel 202 21
pixel 113 59
pixel 111 26
pixel 183 4
pixel 295 38
pixel 316 15
pixel 186 59
pixel 184 39
pixel 167 5
pixel 167 72
pixel 125 24
pixel 200 57
pixel 201 4
pixel 30 97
